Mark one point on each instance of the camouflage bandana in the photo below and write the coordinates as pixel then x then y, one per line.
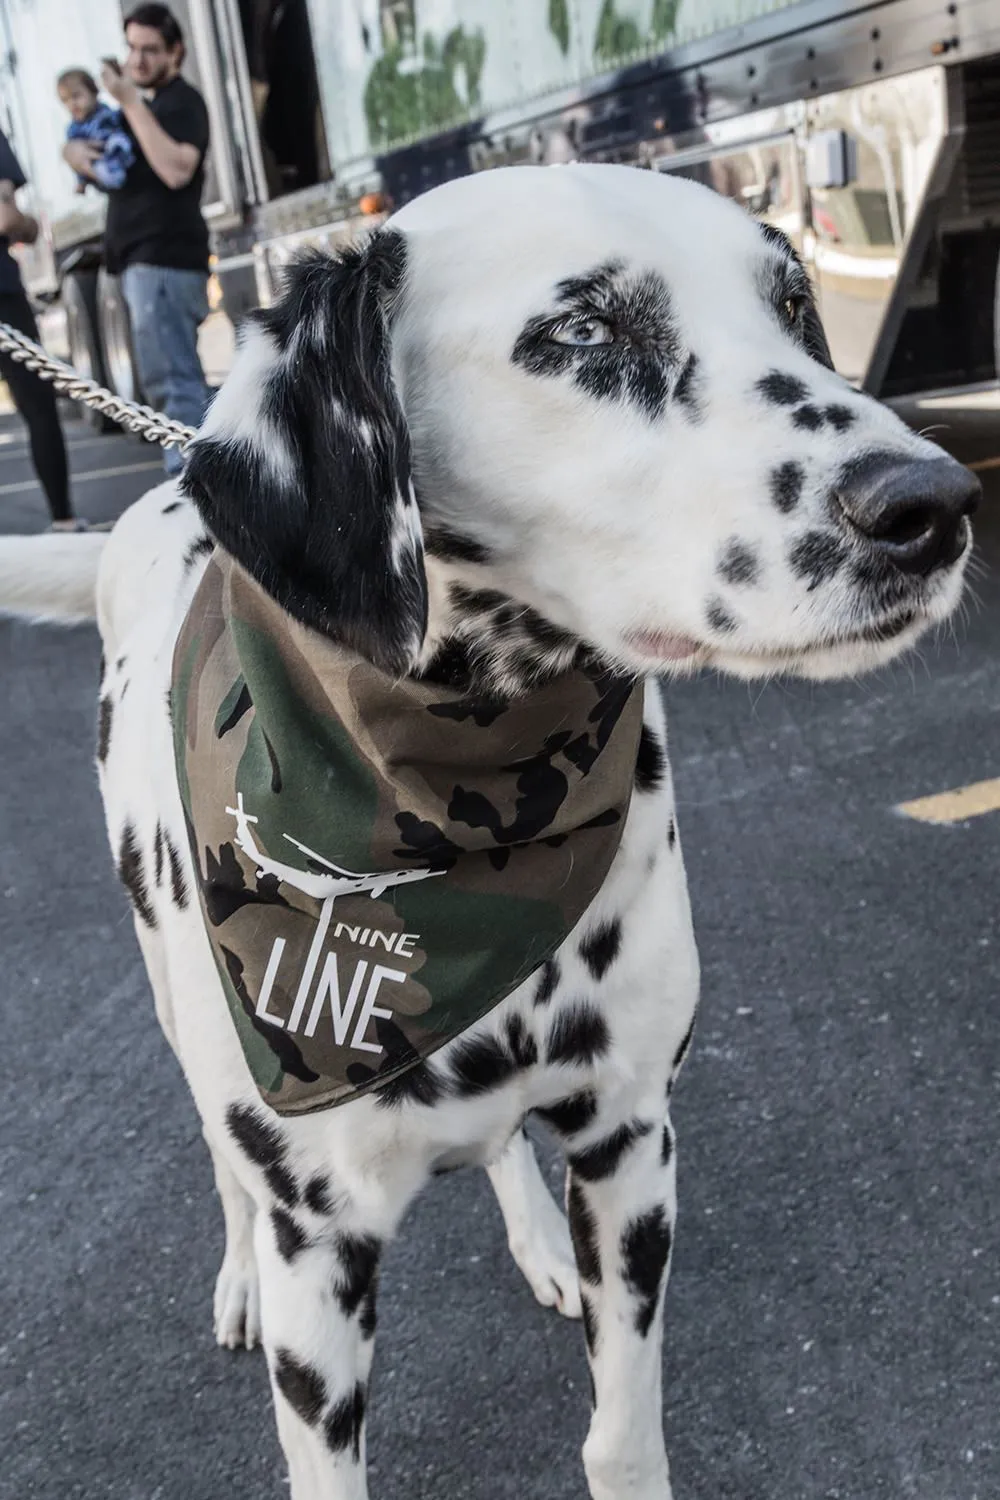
pixel 380 863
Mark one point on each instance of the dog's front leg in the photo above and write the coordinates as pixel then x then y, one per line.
pixel 317 1289
pixel 621 1200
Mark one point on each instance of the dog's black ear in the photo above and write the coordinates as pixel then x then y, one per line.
pixel 301 469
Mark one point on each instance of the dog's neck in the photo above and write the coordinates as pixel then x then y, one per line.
pixel 482 641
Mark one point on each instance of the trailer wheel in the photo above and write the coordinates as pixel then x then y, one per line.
pixel 79 298
pixel 116 338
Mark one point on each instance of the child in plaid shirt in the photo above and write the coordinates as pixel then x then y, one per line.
pixel 93 121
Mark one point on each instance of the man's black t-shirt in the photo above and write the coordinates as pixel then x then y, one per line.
pixel 148 222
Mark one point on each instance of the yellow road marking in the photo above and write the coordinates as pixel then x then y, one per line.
pixel 986 463
pixel 957 805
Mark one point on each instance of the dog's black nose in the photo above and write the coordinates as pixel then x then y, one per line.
pixel 912 509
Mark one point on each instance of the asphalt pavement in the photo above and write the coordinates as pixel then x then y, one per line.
pixel 834 1313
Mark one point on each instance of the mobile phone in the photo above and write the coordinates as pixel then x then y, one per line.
pixel 113 64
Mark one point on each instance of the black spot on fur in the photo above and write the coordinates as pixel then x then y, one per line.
pixel 521 1044
pixel 571 1115
pixel 590 1326
pixel 243 705
pixel 682 1052
pixel 583 1230
pixel 479 1064
pixel 578 1035
pixel 809 418
pixel 687 391
pixel 887 630
pixel 262 1142
pixel 368 1317
pixel 719 618
pixel 358 1255
pixel 739 563
pixel 817 556
pixel 449 546
pixel 483 602
pixel 289 1236
pixel 667 1144
pixel 775 237
pixel 786 486
pixel 317 1195
pixel 169 509
pixel 345 1422
pixel 671 834
pixel 651 763
pixel 644 349
pixel 603 1159
pixel 645 1247
pixel 418 1085
pixel 302 1387
pixel 200 547
pixel 132 877
pixel 105 709
pixel 840 417
pixel 601 947
pixel 452 666
pixel 548 981
pixel 178 885
pixel 499 647
pixel 782 390
pixel 158 854
pixel 399 1056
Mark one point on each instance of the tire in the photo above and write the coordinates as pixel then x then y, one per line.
pixel 996 325
pixel 79 298
pixel 115 335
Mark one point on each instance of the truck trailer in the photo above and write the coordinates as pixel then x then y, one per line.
pixel 868 132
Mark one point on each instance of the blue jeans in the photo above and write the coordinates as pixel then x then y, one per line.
pixel 166 307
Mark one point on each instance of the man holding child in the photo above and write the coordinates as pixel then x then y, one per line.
pixel 156 239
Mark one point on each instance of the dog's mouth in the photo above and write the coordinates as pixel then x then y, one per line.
pixel 874 633
pixel 683 653
pixel 663 646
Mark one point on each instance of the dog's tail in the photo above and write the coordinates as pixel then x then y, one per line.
pixel 51 578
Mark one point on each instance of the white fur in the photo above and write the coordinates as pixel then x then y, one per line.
pixel 608 523
pixel 53 584
pixel 236 410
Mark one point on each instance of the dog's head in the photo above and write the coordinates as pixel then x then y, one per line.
pixel 603 401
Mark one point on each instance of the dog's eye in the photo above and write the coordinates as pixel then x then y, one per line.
pixel 582 333
pixel 792 309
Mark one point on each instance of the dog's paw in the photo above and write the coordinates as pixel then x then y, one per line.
pixel 237 1304
pixel 544 1255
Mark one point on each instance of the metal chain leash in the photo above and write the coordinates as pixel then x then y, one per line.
pixel 149 424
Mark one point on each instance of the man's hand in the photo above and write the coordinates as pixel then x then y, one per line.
pixel 80 155
pixel 119 86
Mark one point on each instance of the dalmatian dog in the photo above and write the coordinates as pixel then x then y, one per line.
pixel 612 395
